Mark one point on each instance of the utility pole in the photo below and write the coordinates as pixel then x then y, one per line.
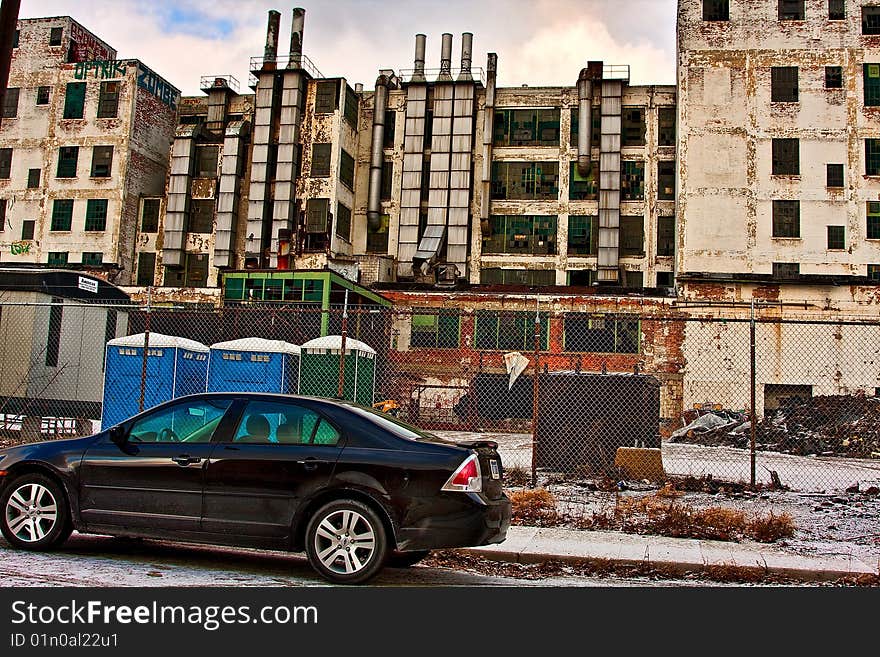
pixel 8 25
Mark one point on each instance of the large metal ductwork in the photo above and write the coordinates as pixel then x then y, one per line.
pixel 467 47
pixel 446 58
pixel 585 123
pixel 419 61
pixel 488 126
pixel 374 202
pixel 296 38
pixel 270 54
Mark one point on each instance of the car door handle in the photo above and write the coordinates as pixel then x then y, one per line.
pixel 186 459
pixel 310 463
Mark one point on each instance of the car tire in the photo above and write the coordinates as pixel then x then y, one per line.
pixel 34 514
pixel 398 559
pixel 346 542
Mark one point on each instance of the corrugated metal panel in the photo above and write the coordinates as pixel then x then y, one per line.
pixel 609 182
pixel 258 192
pixel 285 171
pixel 234 150
pixel 177 205
pixel 411 177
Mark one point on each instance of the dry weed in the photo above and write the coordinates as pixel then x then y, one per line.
pixel 534 507
pixel 770 528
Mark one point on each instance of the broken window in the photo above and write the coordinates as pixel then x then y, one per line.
pixel 836 237
pixel 5 163
pixel 786 157
pixel 834 175
pixel 317 210
pixel 201 216
pixel 784 84
pixel 321 160
pixel 525 180
pixel 62 214
pixel 510 330
pixel 529 234
pixel 632 236
pixel 871 19
pixel 791 10
pixel 102 161
pixel 96 214
pixel 350 109
pixel 10 103
pixel 836 10
pixel 43 95
pixel 55 35
pixel 786 219
pixel 92 258
pixel 872 157
pixel 873 227
pixel 343 222
pixel 207 157
pixel 526 127
pixel 632 180
pixel 27 229
pixel 435 330
pixel 388 135
pixel 666 117
pixel 68 156
pixel 146 268
pixel 528 277
pixel 327 97
pixel 716 10
pixel 595 134
pixel 665 279
pixel 33 178
pixel 581 277
pixel 74 100
pixel 108 101
pixel 387 180
pixel 583 235
pixel 871 77
pixel 874 272
pixel 150 215
pixel 833 77
pixel 377 240
pixel 783 271
pixel 632 126
pixel 57 258
pixel 583 188
pixel 346 169
pixel 665 236
pixel 600 334
pixel 666 180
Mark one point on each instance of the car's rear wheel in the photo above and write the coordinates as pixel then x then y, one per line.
pixel 35 513
pixel 346 542
pixel 399 559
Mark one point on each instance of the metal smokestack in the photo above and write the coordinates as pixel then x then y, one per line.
pixel 271 52
pixel 296 38
pixel 419 62
pixel 467 44
pixel 446 58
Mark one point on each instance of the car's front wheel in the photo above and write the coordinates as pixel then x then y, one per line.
pixel 346 542
pixel 35 513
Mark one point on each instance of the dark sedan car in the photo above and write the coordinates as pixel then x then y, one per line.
pixel 353 488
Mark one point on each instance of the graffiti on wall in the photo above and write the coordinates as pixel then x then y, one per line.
pixel 157 86
pixel 17 248
pixel 86 47
pixel 100 69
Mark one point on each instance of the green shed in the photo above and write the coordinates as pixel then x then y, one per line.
pixel 319 369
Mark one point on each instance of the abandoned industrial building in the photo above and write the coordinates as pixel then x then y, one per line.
pixel 602 208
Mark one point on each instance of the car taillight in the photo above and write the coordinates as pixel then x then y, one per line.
pixel 467 478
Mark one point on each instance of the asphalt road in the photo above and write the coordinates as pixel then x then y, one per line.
pixel 97 561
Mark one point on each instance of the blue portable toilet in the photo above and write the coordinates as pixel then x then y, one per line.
pixel 175 367
pixel 253 365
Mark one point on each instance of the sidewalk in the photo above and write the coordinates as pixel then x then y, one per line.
pixel 529 545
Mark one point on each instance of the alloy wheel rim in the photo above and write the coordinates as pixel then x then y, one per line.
pixel 345 542
pixel 31 512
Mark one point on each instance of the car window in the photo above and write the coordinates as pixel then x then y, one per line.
pixel 283 423
pixel 187 422
pixel 392 424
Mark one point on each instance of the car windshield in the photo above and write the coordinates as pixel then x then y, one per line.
pixel 395 426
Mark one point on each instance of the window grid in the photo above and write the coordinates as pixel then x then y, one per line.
pixel 786 219
pixel 96 214
pixel 836 238
pixel 62 215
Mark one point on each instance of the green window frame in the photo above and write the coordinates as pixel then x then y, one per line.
pixel 529 181
pixel 68 157
pixel 96 214
pixel 519 277
pixel 583 188
pixel 583 235
pixel 510 330
pixel 871 77
pixel 57 258
pixel 528 234
pixel 632 236
pixel 872 157
pixel 435 330
pixel 666 126
pixel 836 238
pixel 62 214
pixel 377 240
pixel 74 100
pixel 108 101
pixel 873 221
pixel 92 258
pixel 633 126
pixel 632 180
pixel 601 334
pixel 526 127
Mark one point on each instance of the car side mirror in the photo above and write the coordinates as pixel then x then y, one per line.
pixel 117 435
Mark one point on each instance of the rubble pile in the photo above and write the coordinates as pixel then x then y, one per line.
pixel 833 425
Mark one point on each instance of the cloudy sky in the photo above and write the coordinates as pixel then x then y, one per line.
pixel 539 42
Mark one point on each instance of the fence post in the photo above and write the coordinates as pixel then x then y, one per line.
pixel 752 413
pixel 341 391
pixel 535 390
pixel 146 349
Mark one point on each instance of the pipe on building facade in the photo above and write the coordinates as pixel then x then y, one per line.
pixel 467 46
pixel 585 123
pixel 296 38
pixel 270 54
pixel 446 57
pixel 419 60
pixel 488 126
pixel 377 157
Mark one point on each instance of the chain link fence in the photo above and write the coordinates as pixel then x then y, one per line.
pixel 767 402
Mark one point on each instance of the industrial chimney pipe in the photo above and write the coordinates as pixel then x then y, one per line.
pixel 488 126
pixel 377 158
pixel 585 123
pixel 467 45
pixel 446 58
pixel 270 54
pixel 296 38
pixel 419 62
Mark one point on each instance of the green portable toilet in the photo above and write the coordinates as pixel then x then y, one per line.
pixel 319 369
